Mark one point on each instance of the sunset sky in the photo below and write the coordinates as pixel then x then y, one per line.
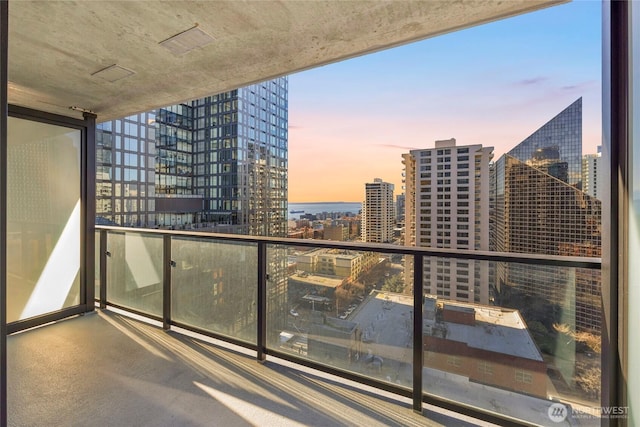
pixel 493 85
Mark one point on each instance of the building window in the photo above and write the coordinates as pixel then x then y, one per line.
pixel 485 368
pixel 523 377
pixel 454 361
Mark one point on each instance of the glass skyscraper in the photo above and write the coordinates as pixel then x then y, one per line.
pixel 556 146
pixel 538 207
pixel 217 163
pixel 240 158
pixel 125 171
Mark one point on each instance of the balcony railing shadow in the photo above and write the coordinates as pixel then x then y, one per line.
pixel 109 369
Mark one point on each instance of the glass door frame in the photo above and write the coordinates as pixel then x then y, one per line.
pixel 87 128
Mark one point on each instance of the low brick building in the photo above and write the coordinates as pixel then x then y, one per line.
pixel 488 345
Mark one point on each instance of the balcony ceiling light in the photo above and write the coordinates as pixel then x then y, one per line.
pixel 187 41
pixel 113 73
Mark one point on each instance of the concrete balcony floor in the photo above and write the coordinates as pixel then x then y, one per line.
pixel 107 369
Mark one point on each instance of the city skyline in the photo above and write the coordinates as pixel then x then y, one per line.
pixel 506 294
pixel 472 85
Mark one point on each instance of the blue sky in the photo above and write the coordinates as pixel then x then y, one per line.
pixel 493 84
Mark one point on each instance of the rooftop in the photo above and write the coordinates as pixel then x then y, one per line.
pixel 312 279
pixel 496 329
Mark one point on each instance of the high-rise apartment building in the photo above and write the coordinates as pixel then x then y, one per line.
pixel 400 209
pixel 592 180
pixel 125 171
pixel 447 206
pixel 177 204
pixel 218 162
pixel 540 208
pixel 378 213
pixel 410 204
pixel 240 157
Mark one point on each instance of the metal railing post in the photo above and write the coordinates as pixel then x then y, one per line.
pixel 418 351
pixel 167 264
pixel 262 301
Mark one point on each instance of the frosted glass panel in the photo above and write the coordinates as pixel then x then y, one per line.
pixel 214 286
pixel 43 218
pixel 134 271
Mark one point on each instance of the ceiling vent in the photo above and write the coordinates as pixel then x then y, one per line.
pixel 113 73
pixel 187 41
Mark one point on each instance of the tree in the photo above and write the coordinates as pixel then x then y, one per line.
pixel 537 328
pixel 588 379
pixel 343 298
pixel 393 284
pixel 589 339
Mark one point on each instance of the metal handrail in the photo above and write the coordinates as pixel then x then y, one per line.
pixel 512 257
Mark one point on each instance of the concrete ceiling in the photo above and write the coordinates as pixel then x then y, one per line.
pixel 57 47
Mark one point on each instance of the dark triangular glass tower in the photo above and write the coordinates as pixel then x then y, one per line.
pixel 556 148
pixel 537 207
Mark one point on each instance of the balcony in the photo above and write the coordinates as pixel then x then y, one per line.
pixel 339 351
pixel 60 32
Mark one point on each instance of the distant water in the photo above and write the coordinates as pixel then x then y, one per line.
pixel 316 208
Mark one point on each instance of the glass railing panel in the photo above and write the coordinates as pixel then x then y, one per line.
pixel 519 340
pixel 346 309
pixel 214 286
pixel 134 271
